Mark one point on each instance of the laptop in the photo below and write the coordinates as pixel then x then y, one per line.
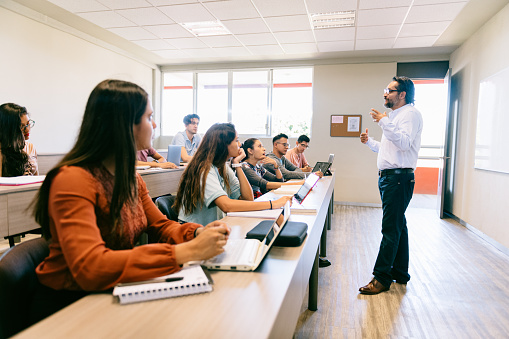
pixel 247 254
pixel 174 154
pixel 308 185
pixel 324 166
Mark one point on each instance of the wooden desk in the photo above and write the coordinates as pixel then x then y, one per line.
pixel 261 304
pixel 14 200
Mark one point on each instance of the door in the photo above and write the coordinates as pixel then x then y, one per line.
pixel 445 155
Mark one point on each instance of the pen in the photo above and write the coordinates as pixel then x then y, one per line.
pixel 153 281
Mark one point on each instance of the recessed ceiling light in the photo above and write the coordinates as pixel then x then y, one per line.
pixel 332 20
pixel 205 28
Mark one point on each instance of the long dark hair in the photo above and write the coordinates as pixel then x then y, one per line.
pixel 113 108
pixel 12 141
pixel 213 150
pixel 248 144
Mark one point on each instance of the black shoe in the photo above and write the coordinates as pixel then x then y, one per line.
pixel 323 262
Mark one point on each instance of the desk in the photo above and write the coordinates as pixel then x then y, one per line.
pixel 261 304
pixel 14 200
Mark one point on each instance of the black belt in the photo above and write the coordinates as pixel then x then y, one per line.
pixel 395 171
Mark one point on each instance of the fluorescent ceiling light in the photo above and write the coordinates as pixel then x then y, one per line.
pixel 206 28
pixel 334 19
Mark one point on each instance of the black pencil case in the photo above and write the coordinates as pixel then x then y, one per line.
pixel 292 235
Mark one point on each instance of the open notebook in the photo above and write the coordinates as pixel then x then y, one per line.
pixel 247 254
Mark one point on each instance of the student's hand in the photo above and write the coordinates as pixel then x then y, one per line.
pixel 319 173
pixel 281 202
pixel 306 169
pixel 210 240
pixel 364 137
pixel 165 165
pixel 377 116
pixel 238 159
pixel 214 224
pixel 268 160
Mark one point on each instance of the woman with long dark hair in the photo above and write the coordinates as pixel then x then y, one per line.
pixel 17 156
pixel 209 188
pixel 94 206
pixel 260 179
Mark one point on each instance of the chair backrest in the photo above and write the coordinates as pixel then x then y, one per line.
pixel 18 282
pixel 165 204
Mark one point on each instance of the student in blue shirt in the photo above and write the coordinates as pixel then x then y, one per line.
pixel 188 139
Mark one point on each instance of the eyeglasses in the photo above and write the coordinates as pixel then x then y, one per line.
pixel 388 90
pixel 304 145
pixel 285 144
pixel 30 124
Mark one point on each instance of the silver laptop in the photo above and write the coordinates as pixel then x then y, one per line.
pixel 247 254
pixel 324 166
pixel 174 154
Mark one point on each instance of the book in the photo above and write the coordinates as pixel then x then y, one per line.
pixel 190 280
pixel 287 189
pixel 297 208
pixel 21 180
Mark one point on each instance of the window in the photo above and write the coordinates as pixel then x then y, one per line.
pixel 259 102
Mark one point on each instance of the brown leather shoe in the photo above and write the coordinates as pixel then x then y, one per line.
pixel 374 287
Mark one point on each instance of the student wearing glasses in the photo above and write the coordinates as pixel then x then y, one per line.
pixel 296 154
pixel 209 187
pixel 94 207
pixel 17 155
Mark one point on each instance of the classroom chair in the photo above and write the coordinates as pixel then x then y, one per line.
pixel 165 204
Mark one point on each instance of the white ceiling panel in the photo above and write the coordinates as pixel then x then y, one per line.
pixel 335 46
pixel 125 4
pixel 246 26
pixel 187 13
pixel 227 51
pixel 412 42
pixel 289 23
pixel 183 43
pixel 201 52
pixel 77 6
pixel 132 33
pixel 266 50
pixel 230 10
pixel 426 28
pixel 171 2
pixel 172 54
pixel 169 31
pixel 335 34
pixel 377 17
pixel 107 19
pixel 299 48
pixel 153 45
pixel 431 2
pixel 439 12
pixel 327 6
pixel 378 32
pixel 374 44
pixel 257 39
pixel 372 4
pixel 146 16
pixel 269 8
pixel 220 41
pixel 295 37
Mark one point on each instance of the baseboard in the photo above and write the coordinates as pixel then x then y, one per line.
pixel 360 204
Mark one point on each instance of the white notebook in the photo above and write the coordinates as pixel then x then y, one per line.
pixel 194 280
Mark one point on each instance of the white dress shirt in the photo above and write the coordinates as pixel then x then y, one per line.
pixel 401 139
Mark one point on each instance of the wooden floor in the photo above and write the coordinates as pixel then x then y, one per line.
pixel 459 286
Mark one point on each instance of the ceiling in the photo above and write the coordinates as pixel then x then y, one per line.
pixel 264 30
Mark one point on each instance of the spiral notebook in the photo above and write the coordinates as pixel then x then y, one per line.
pixel 190 280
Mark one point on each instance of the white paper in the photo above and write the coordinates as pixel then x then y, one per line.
pixel 337 119
pixel 353 124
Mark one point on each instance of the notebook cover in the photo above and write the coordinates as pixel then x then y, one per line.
pixel 292 235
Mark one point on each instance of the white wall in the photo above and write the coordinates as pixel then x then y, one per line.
pixel 480 197
pixel 52 73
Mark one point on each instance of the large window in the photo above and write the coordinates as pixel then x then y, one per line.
pixel 259 102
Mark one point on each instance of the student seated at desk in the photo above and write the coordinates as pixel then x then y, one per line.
pixel 188 139
pixel 17 155
pixel 260 179
pixel 159 160
pixel 94 207
pixel 209 188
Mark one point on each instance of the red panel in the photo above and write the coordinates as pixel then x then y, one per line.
pixel 426 180
pixel 427 82
pixel 301 84
pixel 178 87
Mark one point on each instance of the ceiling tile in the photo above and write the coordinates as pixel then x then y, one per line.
pixel 80 6
pixel 288 23
pixel 220 41
pixel 246 26
pixel 172 54
pixel 300 48
pixel 107 19
pixel 426 28
pixel 378 32
pixel 266 50
pixel 201 52
pixel 335 34
pixel 125 4
pixel 171 2
pixel 327 6
pixel 146 16
pixel 440 12
pixel 374 44
pixel 412 42
pixel 229 51
pixel 132 33
pixel 335 46
pixel 187 43
pixel 187 13
pixel 153 45
pixel 257 39
pixel 228 10
pixel 295 37
pixel 430 2
pixel 378 17
pixel 269 8
pixel 169 31
pixel 372 4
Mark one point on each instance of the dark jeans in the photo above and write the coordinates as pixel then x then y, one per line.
pixel 392 262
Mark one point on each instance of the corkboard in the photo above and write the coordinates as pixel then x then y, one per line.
pixel 345 125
